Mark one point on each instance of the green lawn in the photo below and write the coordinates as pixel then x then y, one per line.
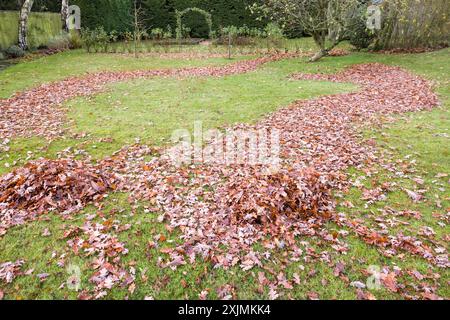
pixel 77 62
pixel 151 109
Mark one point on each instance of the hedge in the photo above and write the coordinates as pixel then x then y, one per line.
pixel 117 14
pixel 43 26
pixel 111 14
pixel 161 13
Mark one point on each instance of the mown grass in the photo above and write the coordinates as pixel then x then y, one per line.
pixel 151 109
pixel 76 62
pixel 28 74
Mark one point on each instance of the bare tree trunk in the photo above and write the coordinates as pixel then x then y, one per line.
pixel 229 45
pixel 23 23
pixel 319 55
pixel 319 39
pixel 65 15
pixel 136 29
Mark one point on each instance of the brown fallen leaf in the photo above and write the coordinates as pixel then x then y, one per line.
pixel 43 276
pixel 46 233
pixel 203 295
pixel 416 197
pixel 364 295
pixel 313 296
pixel 390 281
pixel 338 269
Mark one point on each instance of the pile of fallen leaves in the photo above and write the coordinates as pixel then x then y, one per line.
pixel 385 90
pixel 265 198
pixel 47 185
pixel 336 52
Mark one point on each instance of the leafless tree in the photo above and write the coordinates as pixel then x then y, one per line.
pixel 138 26
pixel 325 20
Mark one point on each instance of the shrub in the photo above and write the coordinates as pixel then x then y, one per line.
pixel 273 31
pixel 213 34
pixel 2 57
pixel 242 32
pixel 255 33
pixel 14 52
pixel 162 35
pixel 157 33
pixel 274 35
pixel 102 38
pixel 243 36
pixel 168 34
pixel 410 24
pixel 113 36
pixel 97 38
pixel 230 31
pixel 127 36
pixel 185 32
pixel 87 38
pixel 75 41
pixel 358 35
pixel 61 42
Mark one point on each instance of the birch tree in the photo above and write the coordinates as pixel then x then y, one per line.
pixel 65 15
pixel 23 23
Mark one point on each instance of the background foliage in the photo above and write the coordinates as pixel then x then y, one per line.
pixel 116 14
pixel 161 13
pixel 111 14
pixel 43 26
pixel 414 23
pixel 38 6
pixel 406 23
